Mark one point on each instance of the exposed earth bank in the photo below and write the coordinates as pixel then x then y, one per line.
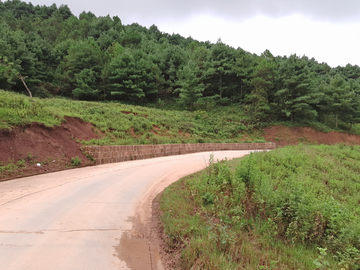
pixel 54 147
pixel 284 136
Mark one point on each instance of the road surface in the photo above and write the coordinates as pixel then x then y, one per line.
pixel 89 218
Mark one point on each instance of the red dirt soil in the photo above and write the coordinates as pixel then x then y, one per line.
pixel 283 136
pixel 52 147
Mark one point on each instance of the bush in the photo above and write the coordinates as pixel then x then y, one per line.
pixel 41 92
pixel 75 161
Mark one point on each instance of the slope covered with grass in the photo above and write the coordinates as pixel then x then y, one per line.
pixel 291 208
pixel 129 124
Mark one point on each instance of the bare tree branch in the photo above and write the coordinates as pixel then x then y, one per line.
pixel 22 79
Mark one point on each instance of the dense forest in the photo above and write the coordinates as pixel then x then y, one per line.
pixel 100 59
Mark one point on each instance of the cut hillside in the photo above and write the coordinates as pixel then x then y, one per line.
pixel 283 136
pixel 24 147
pixel 51 131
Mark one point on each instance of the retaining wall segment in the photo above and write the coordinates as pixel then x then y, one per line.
pixel 119 153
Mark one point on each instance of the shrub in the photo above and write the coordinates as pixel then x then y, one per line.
pixel 75 161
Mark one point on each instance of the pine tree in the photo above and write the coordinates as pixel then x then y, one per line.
pixel 262 83
pixel 191 86
pixel 219 73
pixel 133 76
pixel 340 100
pixel 297 97
pixel 243 68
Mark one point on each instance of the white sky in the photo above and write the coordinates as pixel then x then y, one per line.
pixel 335 44
pixel 327 30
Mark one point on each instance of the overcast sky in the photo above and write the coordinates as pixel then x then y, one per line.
pixel 328 30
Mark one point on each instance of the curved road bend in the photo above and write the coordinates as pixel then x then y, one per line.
pixel 75 219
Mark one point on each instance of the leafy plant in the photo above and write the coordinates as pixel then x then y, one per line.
pixel 75 161
pixel 321 263
pixel 208 198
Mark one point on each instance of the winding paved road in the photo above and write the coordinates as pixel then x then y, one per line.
pixel 84 218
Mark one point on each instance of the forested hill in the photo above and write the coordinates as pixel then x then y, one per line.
pixel 100 59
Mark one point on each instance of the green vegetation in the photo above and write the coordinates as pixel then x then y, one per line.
pixel 149 125
pixel 291 208
pixel 11 166
pixel 100 59
pixel 75 161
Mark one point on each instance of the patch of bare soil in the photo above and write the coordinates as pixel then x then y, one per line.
pixel 127 113
pixel 283 136
pixel 132 133
pixel 181 133
pixel 52 147
pixel 156 130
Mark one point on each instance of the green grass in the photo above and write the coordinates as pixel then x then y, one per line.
pixel 291 208
pixel 225 124
pixel 222 124
pixel 11 166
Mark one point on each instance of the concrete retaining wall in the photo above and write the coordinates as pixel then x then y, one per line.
pixel 119 153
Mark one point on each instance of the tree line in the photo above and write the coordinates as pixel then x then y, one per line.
pixel 100 59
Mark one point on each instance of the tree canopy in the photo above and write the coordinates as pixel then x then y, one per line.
pixel 100 59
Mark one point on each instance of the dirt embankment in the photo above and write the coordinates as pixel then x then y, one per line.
pixel 283 136
pixel 52 147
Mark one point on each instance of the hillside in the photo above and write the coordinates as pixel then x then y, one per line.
pixel 101 59
pixel 96 81
pixel 52 131
pixel 284 135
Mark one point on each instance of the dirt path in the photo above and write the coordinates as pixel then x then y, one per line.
pixel 89 218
